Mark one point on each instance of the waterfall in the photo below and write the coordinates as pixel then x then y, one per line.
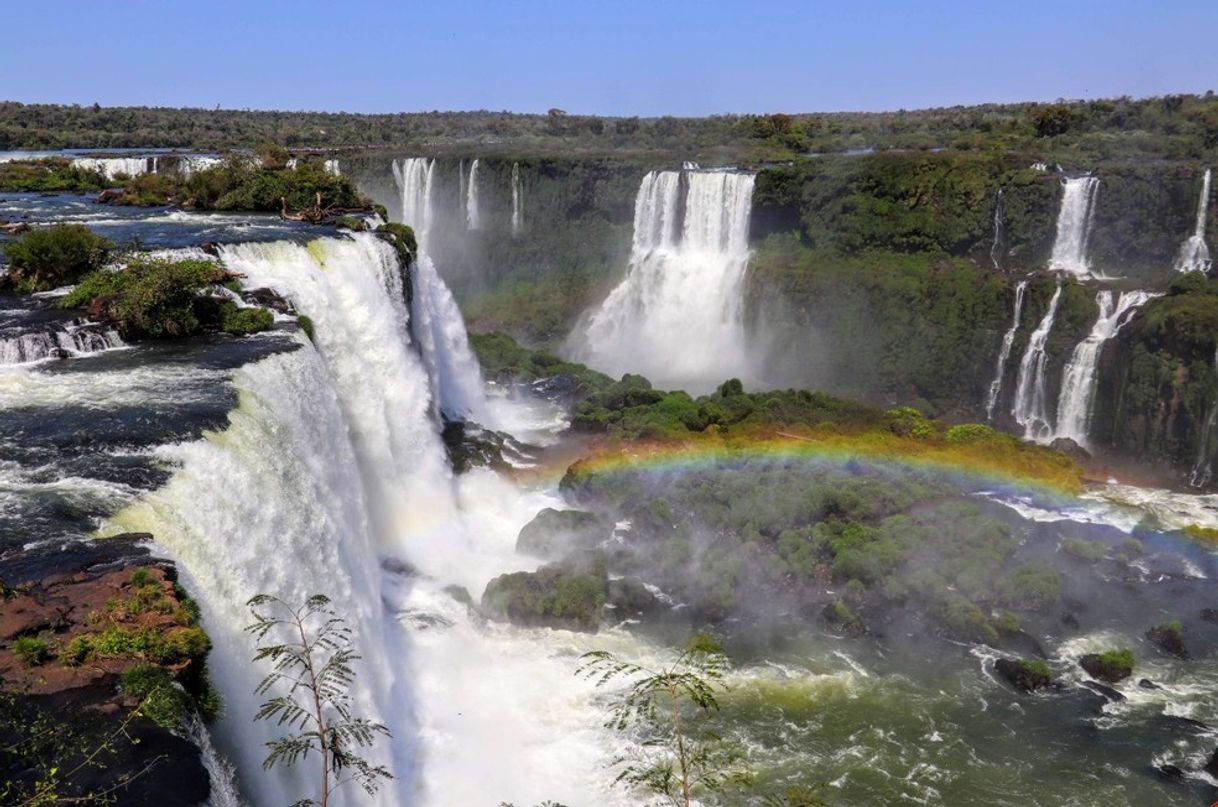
pixel 59 342
pixel 1194 255
pixel 517 202
pixel 455 373
pixel 1074 220
pixel 1031 409
pixel 1203 468
pixel 331 167
pixel 473 219
pixel 191 163
pixel 331 478
pixel 1004 353
pixel 683 287
pixel 999 247
pixel 111 167
pixel 1078 377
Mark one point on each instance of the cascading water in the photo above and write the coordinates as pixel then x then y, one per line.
pixel 1203 469
pixel 1004 353
pixel 111 167
pixel 517 201
pixel 413 176
pixel 1078 378
pixel 331 167
pixel 473 218
pixel 1194 253
pixel 999 247
pixel 1031 408
pixel 677 316
pixel 1074 220
pixel 60 342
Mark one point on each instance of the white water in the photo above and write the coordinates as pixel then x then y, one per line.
pixel 111 167
pixel 473 217
pixel 331 167
pixel 517 201
pixel 677 316
pixel 997 247
pixel 1074 220
pixel 413 176
pixel 1078 377
pixel 1031 407
pixel 1194 254
pixel 70 341
pixel 1004 352
pixel 192 163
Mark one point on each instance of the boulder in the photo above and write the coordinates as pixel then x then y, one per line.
pixel 1209 614
pixel 268 298
pixel 629 597
pixel 1070 448
pixel 838 617
pixel 1211 767
pixel 1169 637
pixel 1146 683
pixel 1114 666
pixel 553 533
pixel 1023 674
pixel 569 595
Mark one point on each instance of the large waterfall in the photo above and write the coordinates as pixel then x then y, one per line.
pixel 1031 407
pixel 331 478
pixel 1078 378
pixel 111 167
pixel 517 201
pixel 1004 352
pixel 413 176
pixel 473 217
pixel 1194 254
pixel 1074 220
pixel 677 316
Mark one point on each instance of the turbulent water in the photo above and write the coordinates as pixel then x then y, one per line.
pixel 1074 220
pixel 1031 407
pixel 1194 253
pixel 1004 352
pixel 111 167
pixel 1078 377
pixel 677 316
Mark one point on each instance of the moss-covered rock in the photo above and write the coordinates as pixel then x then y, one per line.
pixel 569 595
pixel 553 533
pixel 1112 666
pixel 1169 637
pixel 1026 675
pixel 838 617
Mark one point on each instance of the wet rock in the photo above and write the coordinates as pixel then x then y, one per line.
pixel 1170 771
pixel 1211 767
pixel 838 617
pixel 552 533
pixel 1146 683
pixel 108 196
pixel 1024 675
pixel 268 298
pixel 1209 614
pixel 1070 620
pixel 460 594
pixel 1169 637
pixel 1113 666
pixel 569 595
pixel 1070 448
pixel 1106 691
pixel 629 597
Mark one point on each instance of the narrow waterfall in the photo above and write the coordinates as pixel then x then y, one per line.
pixel 998 249
pixel 1031 407
pixel 192 163
pixel 1074 220
pixel 1004 352
pixel 1203 469
pixel 331 167
pixel 517 202
pixel 67 341
pixel 111 167
pixel 473 219
pixel 438 326
pixel 1078 378
pixel 683 287
pixel 1194 254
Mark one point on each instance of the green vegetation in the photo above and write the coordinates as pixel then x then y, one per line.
pixel 31 650
pixel 46 258
pixel 403 240
pixel 567 595
pixel 49 175
pixel 503 359
pixel 1112 666
pixel 310 651
pixel 155 298
pixel 1084 550
pixel 160 700
pixel 671 709
pixel 840 618
pixel 1036 668
pixel 306 325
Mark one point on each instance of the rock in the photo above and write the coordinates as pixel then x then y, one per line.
pixel 1106 691
pixel 109 195
pixel 460 594
pixel 552 533
pixel 1169 637
pixel 268 298
pixel 1024 675
pixel 568 595
pixel 1114 666
pixel 1170 771
pixel 1070 448
pixel 1070 620
pixel 629 597
pixel 1146 683
pixel 1211 767
pixel 838 617
pixel 1209 614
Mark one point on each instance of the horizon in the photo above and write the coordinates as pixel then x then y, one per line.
pixel 682 59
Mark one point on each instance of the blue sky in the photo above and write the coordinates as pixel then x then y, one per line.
pixel 611 57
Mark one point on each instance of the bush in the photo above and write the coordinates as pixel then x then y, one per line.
pixel 1112 666
pixel 969 432
pixel 30 650
pixel 905 421
pixel 1032 586
pixel 161 700
pixel 242 321
pixel 60 255
pixel 306 325
pixel 403 240
pixel 77 652
pixel 1083 549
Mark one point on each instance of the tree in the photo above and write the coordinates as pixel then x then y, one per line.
pixel 678 761
pixel 315 664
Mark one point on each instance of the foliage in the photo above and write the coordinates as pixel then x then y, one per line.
pixel 306 325
pixel 161 701
pixel 46 258
pixel 563 595
pixel 1032 586
pixel 402 238
pixel 312 665
pixel 502 358
pixel 680 760
pixel 1036 668
pixel 1083 549
pixel 242 321
pixel 49 175
pixel 1122 658
pixel 30 650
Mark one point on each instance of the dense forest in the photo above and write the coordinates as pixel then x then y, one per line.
pixel 1174 126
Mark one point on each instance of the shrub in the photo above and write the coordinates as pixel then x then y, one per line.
pixel 1032 586
pixel 403 240
pixel 142 577
pixel 969 432
pixel 306 325
pixel 242 321
pixel 1036 668
pixel 77 652
pixel 30 650
pixel 905 421
pixel 44 259
pixel 1111 665
pixel 161 700
pixel 1083 549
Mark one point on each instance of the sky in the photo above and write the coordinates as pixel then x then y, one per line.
pixel 605 57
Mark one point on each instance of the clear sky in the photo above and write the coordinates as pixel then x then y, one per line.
pixel 609 57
